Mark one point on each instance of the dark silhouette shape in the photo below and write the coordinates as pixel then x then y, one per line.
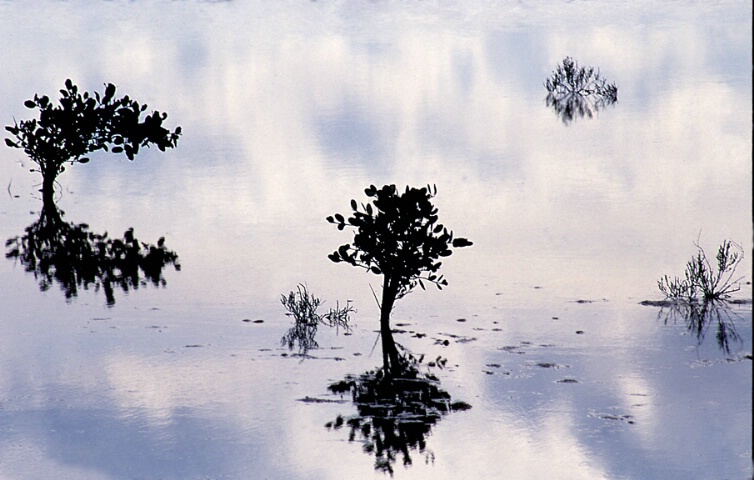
pixel 574 91
pixel 397 236
pixel 395 415
pixel 699 316
pixel 83 124
pixel 705 280
pixel 302 306
pixel 71 255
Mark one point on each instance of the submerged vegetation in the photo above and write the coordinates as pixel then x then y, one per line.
pixel 702 279
pixel 397 236
pixel 74 257
pixel 574 91
pixel 83 124
pixel 302 306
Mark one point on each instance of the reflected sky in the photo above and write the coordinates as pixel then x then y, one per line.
pixel 289 110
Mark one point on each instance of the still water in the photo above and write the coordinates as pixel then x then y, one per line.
pixel 291 109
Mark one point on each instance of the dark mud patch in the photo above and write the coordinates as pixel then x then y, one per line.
pixel 549 365
pixel 614 418
pixel 309 399
pixel 456 338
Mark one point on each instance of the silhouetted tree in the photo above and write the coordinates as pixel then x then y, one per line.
pixel 397 236
pixel 82 124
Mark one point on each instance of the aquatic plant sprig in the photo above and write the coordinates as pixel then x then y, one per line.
pixel 302 306
pixel 702 278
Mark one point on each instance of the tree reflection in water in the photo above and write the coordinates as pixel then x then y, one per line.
pixel 395 415
pixel 700 316
pixel 71 255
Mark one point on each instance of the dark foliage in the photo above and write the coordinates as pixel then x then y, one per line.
pixel 397 236
pixel 82 124
pixel 704 280
pixel 72 256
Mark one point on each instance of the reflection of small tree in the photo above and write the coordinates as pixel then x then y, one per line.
pixel 74 257
pixel 574 91
pixel 83 124
pixel 702 278
pixel 397 236
pixel 302 306
pixel 395 415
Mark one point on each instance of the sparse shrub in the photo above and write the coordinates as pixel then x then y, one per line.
pixel 302 306
pixel 570 79
pixel 704 280
pixel 574 91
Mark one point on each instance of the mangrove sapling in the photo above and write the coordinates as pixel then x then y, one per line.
pixel 302 306
pixel 397 236
pixel 82 124
pixel 702 279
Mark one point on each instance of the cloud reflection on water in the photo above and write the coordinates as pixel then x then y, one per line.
pixel 432 97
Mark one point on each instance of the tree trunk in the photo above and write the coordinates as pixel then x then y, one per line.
pixel 48 188
pixel 389 351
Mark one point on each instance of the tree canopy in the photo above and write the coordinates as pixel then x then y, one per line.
pixel 398 236
pixel 84 123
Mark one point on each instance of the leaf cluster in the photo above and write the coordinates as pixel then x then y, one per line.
pixel 397 235
pixel 84 123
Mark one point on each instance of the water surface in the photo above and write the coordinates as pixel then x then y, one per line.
pixel 291 109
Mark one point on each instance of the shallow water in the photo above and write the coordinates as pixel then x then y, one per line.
pixel 289 110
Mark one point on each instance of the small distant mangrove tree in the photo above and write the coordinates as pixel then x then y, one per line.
pixel 82 124
pixel 399 237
